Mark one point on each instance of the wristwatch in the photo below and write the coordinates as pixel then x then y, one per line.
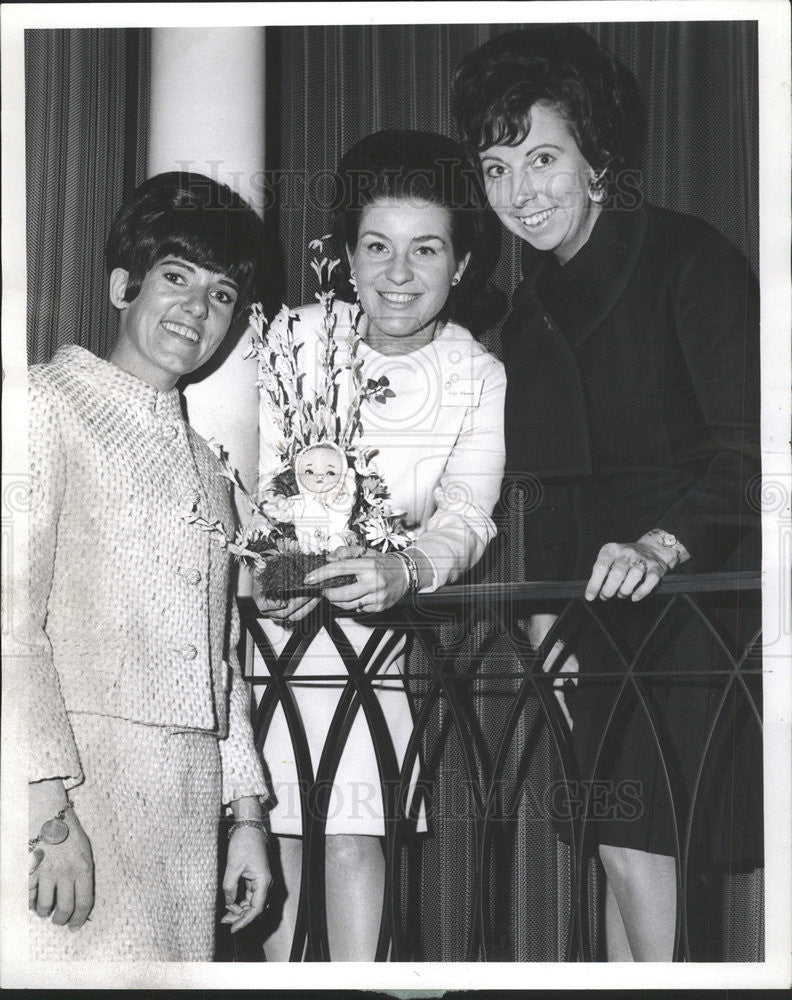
pixel 665 538
pixel 668 541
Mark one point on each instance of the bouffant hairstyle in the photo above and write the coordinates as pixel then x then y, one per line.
pixel 496 85
pixel 423 167
pixel 196 218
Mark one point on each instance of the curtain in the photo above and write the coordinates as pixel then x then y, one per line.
pixel 86 116
pixel 329 86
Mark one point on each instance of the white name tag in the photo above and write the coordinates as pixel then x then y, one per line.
pixel 462 391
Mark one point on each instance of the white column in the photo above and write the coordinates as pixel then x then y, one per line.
pixel 207 116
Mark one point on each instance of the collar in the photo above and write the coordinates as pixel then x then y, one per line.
pixel 580 294
pixel 110 380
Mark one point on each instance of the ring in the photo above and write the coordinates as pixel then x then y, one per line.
pixel 639 564
pixel 360 608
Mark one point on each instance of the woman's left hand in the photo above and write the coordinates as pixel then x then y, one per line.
pixel 380 579
pixel 627 569
pixel 247 860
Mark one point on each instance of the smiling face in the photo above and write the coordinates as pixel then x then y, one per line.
pixel 539 188
pixel 319 469
pixel 175 323
pixel 404 265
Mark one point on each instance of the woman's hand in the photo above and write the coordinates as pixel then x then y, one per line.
pixel 286 610
pixel 538 627
pixel 247 860
pixel 632 569
pixel 381 579
pixel 61 881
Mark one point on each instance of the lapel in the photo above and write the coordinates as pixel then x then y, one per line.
pixel 546 423
pixel 579 295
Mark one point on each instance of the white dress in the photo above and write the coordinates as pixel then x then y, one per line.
pixel 440 450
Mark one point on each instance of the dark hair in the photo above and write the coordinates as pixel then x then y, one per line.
pixel 427 167
pixel 203 221
pixel 496 86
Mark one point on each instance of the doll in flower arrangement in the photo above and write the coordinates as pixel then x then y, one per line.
pixel 325 495
pixel 320 512
pixel 319 515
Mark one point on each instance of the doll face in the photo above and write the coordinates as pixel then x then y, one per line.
pixel 319 469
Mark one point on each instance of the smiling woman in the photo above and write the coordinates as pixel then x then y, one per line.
pixel 632 349
pixel 409 235
pixel 175 322
pixel 137 703
pixel 540 187
pixel 404 266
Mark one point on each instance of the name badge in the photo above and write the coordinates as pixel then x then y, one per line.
pixel 462 391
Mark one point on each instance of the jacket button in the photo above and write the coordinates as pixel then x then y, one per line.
pixel 189 652
pixel 169 432
pixel 193 577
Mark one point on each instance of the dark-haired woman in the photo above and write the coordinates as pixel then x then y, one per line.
pixel 139 716
pixel 632 358
pixel 409 235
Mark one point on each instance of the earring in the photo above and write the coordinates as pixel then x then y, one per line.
pixel 353 280
pixel 596 188
pixel 455 280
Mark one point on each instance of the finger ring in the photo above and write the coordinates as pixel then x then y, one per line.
pixel 360 608
pixel 639 564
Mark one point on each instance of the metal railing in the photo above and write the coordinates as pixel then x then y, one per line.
pixel 470 653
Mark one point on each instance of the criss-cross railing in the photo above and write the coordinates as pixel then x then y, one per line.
pixel 471 652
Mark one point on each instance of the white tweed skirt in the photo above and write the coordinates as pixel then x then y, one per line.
pixel 355 801
pixel 150 805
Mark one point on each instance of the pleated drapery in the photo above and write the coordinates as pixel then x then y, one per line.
pixel 86 122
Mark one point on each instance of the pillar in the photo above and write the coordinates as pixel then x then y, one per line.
pixel 207 115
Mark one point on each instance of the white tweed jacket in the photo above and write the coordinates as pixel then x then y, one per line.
pixel 130 606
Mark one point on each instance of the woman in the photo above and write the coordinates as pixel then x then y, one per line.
pixel 632 353
pixel 408 233
pixel 139 717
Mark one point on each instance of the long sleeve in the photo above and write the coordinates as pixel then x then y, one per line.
pixel 457 533
pixel 240 762
pixel 717 320
pixel 53 753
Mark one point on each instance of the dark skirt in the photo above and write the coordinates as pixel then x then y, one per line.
pixel 667 727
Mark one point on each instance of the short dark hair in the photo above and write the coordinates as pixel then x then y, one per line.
pixel 423 166
pixel 201 220
pixel 496 85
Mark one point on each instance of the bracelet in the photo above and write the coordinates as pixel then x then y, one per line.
pixel 411 568
pixel 55 830
pixel 259 825
pixel 406 568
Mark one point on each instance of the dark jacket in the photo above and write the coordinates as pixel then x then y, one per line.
pixel 633 392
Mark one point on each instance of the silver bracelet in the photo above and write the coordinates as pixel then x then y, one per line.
pixel 411 566
pixel 259 825
pixel 407 574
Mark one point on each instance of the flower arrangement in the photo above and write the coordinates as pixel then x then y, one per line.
pixel 326 491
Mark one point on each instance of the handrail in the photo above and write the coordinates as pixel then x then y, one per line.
pixel 460 669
